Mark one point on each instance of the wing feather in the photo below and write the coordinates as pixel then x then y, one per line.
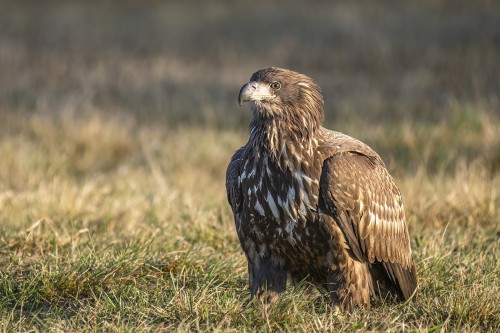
pixel 369 211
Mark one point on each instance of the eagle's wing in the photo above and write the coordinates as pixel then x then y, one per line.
pixel 361 196
pixel 234 195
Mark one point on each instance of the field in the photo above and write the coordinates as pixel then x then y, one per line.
pixel 118 121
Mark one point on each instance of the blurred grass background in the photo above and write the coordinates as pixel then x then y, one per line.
pixel 180 64
pixel 118 120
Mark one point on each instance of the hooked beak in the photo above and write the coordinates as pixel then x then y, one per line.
pixel 254 91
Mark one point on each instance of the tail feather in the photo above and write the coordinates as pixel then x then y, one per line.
pixel 405 280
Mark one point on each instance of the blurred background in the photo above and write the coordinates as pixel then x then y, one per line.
pixel 184 62
pixel 87 87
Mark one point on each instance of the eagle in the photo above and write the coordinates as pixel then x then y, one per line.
pixel 314 204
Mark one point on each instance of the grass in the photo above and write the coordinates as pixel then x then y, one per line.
pixel 113 149
pixel 143 239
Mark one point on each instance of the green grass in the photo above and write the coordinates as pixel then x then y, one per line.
pixel 113 149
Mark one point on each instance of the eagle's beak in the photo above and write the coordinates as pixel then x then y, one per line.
pixel 254 91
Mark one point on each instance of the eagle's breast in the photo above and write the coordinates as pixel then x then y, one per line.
pixel 280 200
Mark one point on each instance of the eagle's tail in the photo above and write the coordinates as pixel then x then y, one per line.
pixel 403 279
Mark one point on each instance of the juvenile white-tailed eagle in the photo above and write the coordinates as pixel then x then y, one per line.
pixel 310 203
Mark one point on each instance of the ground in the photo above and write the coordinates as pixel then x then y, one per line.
pixel 113 149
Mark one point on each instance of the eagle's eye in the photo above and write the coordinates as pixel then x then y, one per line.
pixel 275 85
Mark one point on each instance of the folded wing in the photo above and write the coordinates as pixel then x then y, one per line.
pixel 361 196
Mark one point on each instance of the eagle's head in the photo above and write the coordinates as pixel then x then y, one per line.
pixel 284 95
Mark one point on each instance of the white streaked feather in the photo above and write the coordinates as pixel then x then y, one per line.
pixel 272 206
pixel 259 208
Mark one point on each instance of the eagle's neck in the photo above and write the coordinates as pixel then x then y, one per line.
pixel 287 142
